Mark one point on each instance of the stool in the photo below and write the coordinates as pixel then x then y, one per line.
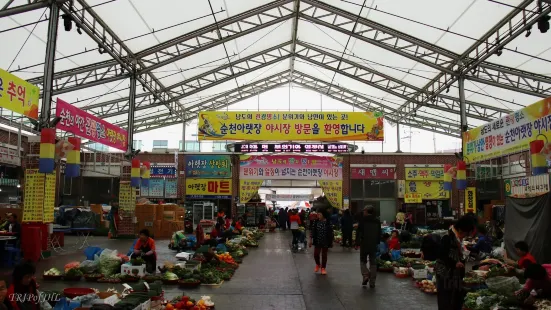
pixel 12 256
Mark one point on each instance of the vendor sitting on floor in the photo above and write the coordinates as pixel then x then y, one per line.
pixel 145 248
pixel 382 249
pixel 525 258
pixel 484 243
pixel 538 279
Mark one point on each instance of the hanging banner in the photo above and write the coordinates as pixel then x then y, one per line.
pixel 291 126
pixel 401 188
pixel 127 197
pixel 525 187
pixel 208 189
pixel 293 147
pixel 290 197
pixel 88 126
pixel 509 134
pixel 10 156
pixel 171 188
pixel 285 167
pixel 49 197
pixel 428 189
pixel 156 188
pixel 470 200
pixel 333 192
pixel 163 172
pixel 33 196
pixel 378 173
pixel 247 189
pixel 208 166
pixel 18 95
pixel 425 174
pixel 413 198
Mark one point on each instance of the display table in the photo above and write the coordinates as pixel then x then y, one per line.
pixel 82 236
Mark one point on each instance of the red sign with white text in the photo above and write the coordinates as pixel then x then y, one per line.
pixel 88 126
pixel 373 173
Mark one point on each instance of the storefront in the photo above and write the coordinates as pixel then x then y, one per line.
pixel 10 170
pixel 425 197
pixel 208 186
pixel 163 184
pixel 374 185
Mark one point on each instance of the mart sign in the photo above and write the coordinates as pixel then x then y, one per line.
pixel 525 187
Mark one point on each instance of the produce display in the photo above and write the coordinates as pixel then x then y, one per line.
pixel 137 261
pixel 53 272
pixel 188 303
pixel 427 286
pixel 226 257
pixel 411 254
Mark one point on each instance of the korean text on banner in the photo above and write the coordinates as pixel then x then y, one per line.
pixel 428 189
pixel 208 188
pixel 413 198
pixel 18 95
pixel 470 200
pixel 525 187
pixel 284 167
pixel 247 189
pixel 171 188
pixel 291 126
pixel 425 174
pixel 127 197
pixel 509 134
pixel 157 188
pixel 208 166
pixel 33 200
pixel 333 192
pixel 373 173
pixel 88 126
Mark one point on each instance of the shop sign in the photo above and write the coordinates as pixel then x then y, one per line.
pixel 379 173
pixel 509 134
pixel 401 188
pixel 292 147
pixel 291 126
pixel 333 191
pixel 425 174
pixel 155 189
pixel 39 196
pixel 18 95
pixel 285 167
pixel 208 166
pixel 413 198
pixel 171 188
pixel 470 200
pixel 527 186
pixel 127 197
pixel 428 189
pixel 208 189
pixel 9 156
pixel 290 197
pixel 88 126
pixel 247 189
pixel 163 172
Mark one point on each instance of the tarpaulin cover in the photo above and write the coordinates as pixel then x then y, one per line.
pixel 528 219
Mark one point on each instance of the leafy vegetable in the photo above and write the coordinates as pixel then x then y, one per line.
pixel 170 276
pixel 52 272
pixel 137 261
pixel 74 272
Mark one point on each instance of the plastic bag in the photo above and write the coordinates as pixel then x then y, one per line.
pixel 503 285
pixel 71 265
pixel 62 304
pixel 221 248
pixel 395 254
pixel 91 251
pixel 90 266
pixel 109 262
pixel 499 252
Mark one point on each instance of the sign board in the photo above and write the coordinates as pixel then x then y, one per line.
pixel 509 134
pixel 413 198
pixel 290 197
pixel 162 172
pixel 10 156
pixel 208 166
pixel 88 126
pixel 527 186
pixel 429 190
pixel 401 188
pixel 292 147
pixel 377 173
pixel 208 188
pixel 470 200
pixel 171 188
pixel 247 189
pixel 285 167
pixel 333 192
pixel 127 197
pixel 425 174
pixel 18 95
pixel 291 126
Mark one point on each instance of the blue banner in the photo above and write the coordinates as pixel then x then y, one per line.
pixel 162 172
pixel 208 166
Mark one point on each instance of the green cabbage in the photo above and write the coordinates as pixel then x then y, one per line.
pixel 170 276
pixel 52 272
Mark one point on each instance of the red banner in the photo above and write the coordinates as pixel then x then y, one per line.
pixel 88 126
pixel 373 173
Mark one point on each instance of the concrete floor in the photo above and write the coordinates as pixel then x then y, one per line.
pixel 272 277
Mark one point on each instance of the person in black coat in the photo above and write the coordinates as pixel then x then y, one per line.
pixel 347 225
pixel 368 238
pixel 322 239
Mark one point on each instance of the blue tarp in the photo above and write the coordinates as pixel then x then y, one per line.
pixel 90 251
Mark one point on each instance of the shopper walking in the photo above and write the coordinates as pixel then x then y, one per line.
pixel 450 265
pixel 283 217
pixel 368 237
pixel 294 218
pixel 347 225
pixel 322 239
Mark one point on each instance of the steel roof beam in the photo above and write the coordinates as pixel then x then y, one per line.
pixel 391 85
pixel 424 52
pixel 294 33
pixel 8 9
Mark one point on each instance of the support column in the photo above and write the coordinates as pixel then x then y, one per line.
pixel 398 150
pixel 46 109
pixel 131 109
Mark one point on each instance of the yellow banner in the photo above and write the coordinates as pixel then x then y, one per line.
pixel 247 189
pixel 425 174
pixel 33 197
pixel 127 197
pixel 291 126
pixel 209 188
pixel 413 198
pixel 333 192
pixel 509 134
pixel 49 197
pixel 470 200
pixel 18 95
pixel 428 189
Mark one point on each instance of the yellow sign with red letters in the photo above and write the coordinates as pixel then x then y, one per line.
pixel 208 188
pixel 18 95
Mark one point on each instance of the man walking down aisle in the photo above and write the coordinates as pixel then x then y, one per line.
pixel 368 238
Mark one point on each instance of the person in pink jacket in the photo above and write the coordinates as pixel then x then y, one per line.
pixel 538 283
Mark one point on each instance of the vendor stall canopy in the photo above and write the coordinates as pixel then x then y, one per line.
pixel 405 58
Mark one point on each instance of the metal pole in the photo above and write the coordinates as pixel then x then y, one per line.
pixel 462 109
pixel 131 108
pixel 49 62
pixel 398 150
pixel 183 148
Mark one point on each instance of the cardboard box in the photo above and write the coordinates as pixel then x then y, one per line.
pixel 169 215
pixel 130 270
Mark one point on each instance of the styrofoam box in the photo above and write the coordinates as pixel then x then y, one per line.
pixel 419 273
pixel 127 269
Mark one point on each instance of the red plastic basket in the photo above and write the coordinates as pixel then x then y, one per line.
pixel 73 292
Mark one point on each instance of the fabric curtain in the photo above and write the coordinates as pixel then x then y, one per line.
pixel 527 219
pixel 333 192
pixel 247 189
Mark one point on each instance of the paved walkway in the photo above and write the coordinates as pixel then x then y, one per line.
pixel 272 277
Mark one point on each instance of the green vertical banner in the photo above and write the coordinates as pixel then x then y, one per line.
pixel 508 188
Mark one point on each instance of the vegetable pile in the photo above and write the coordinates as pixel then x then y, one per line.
pixel 53 272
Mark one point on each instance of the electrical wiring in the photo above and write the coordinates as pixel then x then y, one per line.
pixel 25 42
